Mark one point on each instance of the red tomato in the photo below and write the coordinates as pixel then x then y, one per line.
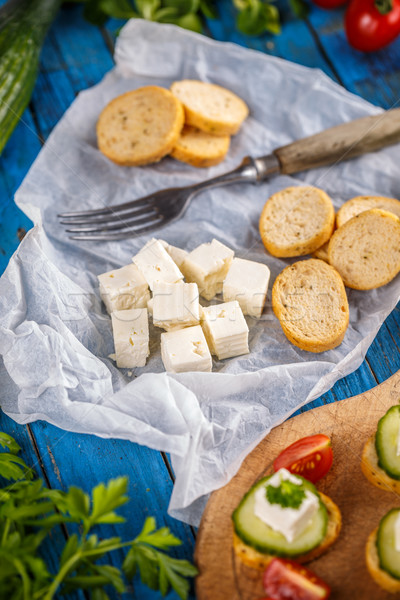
pixel 372 24
pixel 285 579
pixel 311 457
pixel 330 3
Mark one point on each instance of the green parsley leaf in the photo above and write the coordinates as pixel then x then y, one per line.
pixel 287 494
pixel 300 8
pixel 8 442
pixel 256 17
pixel 157 569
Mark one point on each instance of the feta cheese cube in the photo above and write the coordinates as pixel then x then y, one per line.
pixel 207 265
pixel 185 350
pixel 177 254
pixel 155 264
pixel 131 337
pixel 225 329
pixel 123 288
pixel 290 522
pixel 175 305
pixel 247 282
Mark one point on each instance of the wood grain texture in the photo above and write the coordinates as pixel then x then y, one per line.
pixel 342 142
pixel 349 424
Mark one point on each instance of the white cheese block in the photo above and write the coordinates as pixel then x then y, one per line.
pixel 207 265
pixel 155 264
pixel 131 337
pixel 397 533
pixel 150 306
pixel 247 282
pixel 290 522
pixel 175 305
pixel 225 329
pixel 123 288
pixel 185 350
pixel 177 254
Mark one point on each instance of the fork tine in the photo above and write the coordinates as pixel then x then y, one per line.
pixel 109 237
pixel 113 218
pixel 139 203
pixel 121 224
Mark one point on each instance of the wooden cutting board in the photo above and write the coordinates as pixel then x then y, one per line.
pixel 349 423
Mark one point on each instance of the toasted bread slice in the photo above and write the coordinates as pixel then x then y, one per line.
pixel 210 107
pixel 383 579
pixel 322 252
pixel 310 302
pixel 359 204
pixel 296 221
pixel 200 149
pixel 372 470
pixel 366 249
pixel 257 560
pixel 140 127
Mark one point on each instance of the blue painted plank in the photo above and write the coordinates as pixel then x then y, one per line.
pixel 15 161
pixel 296 43
pixel 75 57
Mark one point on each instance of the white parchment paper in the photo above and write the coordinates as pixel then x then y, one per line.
pixel 55 336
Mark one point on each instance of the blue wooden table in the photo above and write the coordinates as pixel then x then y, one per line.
pixel 76 55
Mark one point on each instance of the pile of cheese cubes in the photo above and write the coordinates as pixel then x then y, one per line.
pixel 192 332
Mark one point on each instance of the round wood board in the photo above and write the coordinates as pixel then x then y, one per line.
pixel 349 423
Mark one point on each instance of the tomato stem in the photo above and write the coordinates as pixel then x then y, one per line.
pixel 384 6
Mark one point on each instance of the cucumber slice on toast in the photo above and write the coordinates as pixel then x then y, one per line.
pixel 257 534
pixel 389 557
pixel 386 441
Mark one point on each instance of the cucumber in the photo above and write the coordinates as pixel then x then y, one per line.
pixel 255 533
pixel 389 557
pixel 386 442
pixel 23 26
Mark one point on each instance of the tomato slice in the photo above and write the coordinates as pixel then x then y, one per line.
pixel 285 579
pixel 311 457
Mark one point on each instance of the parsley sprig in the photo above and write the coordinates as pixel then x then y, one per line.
pixel 287 494
pixel 28 513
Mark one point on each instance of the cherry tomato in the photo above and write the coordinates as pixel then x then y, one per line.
pixel 372 24
pixel 311 457
pixel 285 579
pixel 330 3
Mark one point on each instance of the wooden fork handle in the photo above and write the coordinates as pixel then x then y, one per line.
pixel 340 143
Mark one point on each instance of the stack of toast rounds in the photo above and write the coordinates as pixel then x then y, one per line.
pixel 359 248
pixel 192 122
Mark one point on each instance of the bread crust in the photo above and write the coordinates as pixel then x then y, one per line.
pixel 210 107
pixel 304 293
pixel 296 221
pixel 383 579
pixel 366 249
pixel 258 560
pixel 140 127
pixel 322 252
pixel 359 204
pixel 200 149
pixel 372 470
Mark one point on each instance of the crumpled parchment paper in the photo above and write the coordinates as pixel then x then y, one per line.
pixel 55 336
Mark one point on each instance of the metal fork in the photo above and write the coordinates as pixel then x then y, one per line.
pixel 161 208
